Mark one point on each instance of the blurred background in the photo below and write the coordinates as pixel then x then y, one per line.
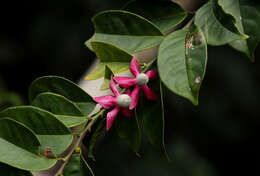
pixel 218 137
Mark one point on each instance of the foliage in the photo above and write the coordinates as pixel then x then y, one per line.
pixel 35 137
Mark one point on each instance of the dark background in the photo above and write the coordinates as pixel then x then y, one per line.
pixel 218 137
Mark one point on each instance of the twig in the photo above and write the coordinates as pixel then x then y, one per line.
pixel 79 140
pixel 187 26
pixel 148 65
pixel 94 118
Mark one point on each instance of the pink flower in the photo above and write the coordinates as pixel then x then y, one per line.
pixel 118 102
pixel 140 82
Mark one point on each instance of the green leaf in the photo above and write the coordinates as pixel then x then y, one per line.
pixel 227 20
pixel 86 108
pixel 19 145
pixel 196 58
pixel 217 26
pixel 247 17
pixel 50 131
pixel 11 171
pixel 116 59
pixel 107 77
pixel 72 121
pixel 182 62
pixel 165 15
pixel 64 109
pixel 128 129
pixel 125 30
pixel 60 86
pixel 152 114
pixel 57 104
pixel 9 127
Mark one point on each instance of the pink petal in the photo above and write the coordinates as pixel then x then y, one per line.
pixel 125 82
pixel 134 97
pixel 107 101
pixel 149 94
pixel 152 74
pixel 126 112
pixel 113 88
pixel 134 67
pixel 111 116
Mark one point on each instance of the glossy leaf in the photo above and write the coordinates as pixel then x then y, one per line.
pixel 86 108
pixel 128 129
pixel 196 57
pixel 248 21
pixel 60 86
pixel 64 109
pixel 19 145
pixel 217 26
pixel 11 171
pixel 182 62
pixel 165 15
pixel 50 131
pixel 227 20
pixel 57 104
pixel 125 30
pixel 116 59
pixel 107 78
pixel 152 115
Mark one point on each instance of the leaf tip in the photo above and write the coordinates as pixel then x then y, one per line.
pixel 195 101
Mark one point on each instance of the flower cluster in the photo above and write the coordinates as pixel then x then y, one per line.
pixel 124 103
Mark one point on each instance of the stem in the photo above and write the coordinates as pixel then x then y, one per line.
pixel 81 136
pixel 79 140
pixel 148 65
pixel 100 113
pixel 187 26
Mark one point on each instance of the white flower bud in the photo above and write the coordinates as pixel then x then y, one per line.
pixel 123 101
pixel 142 79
